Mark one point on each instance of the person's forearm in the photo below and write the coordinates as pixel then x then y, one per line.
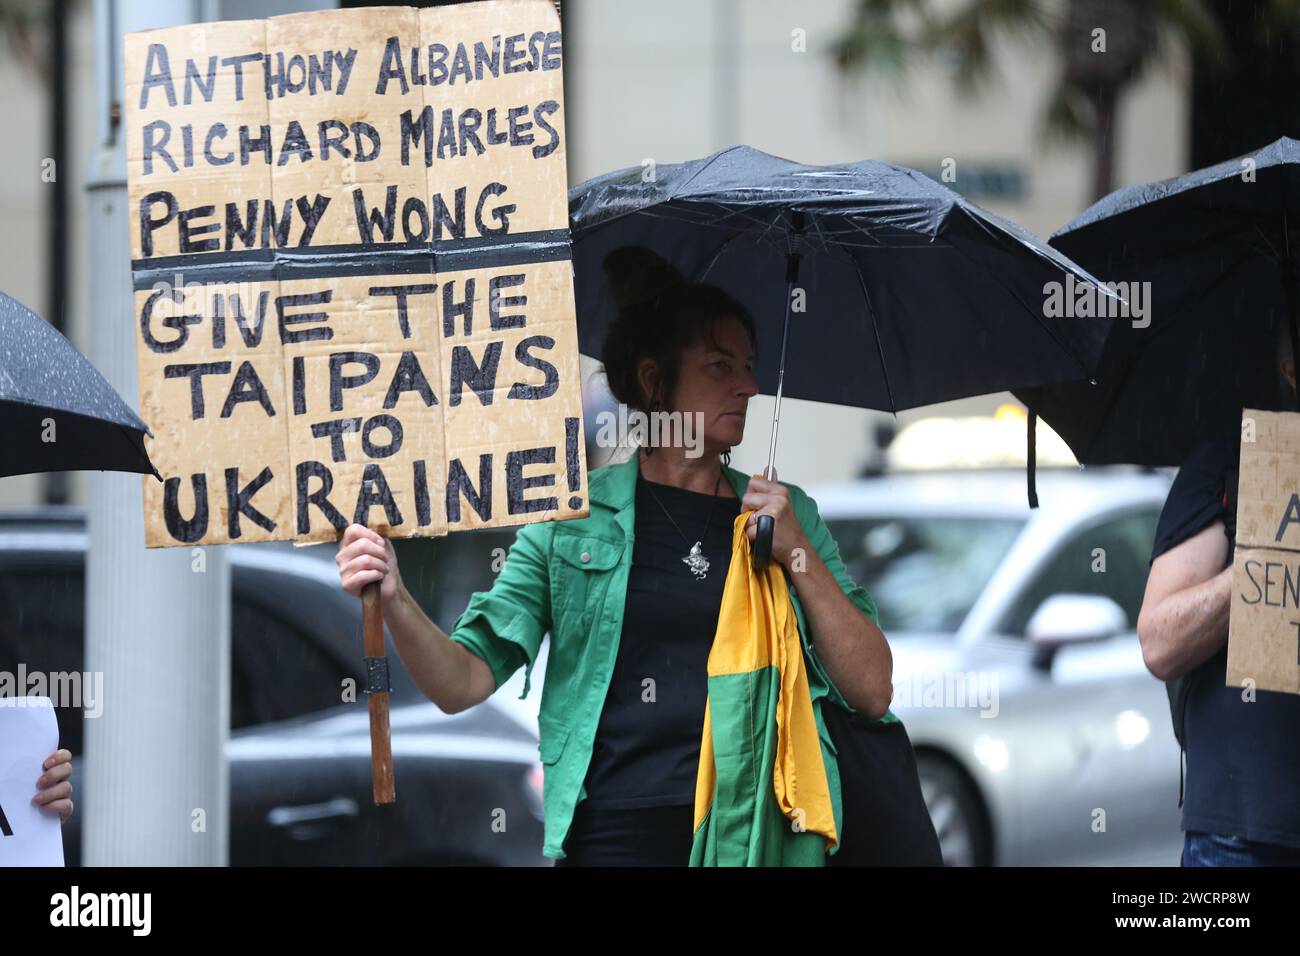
pixel 850 645
pixel 441 668
pixel 1187 627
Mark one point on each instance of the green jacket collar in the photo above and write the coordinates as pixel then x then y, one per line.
pixel 614 486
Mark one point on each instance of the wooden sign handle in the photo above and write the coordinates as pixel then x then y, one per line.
pixel 381 744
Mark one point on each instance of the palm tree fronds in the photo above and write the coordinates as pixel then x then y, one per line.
pixel 1068 116
pixel 1194 24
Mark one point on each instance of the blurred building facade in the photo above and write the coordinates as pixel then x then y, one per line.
pixel 666 82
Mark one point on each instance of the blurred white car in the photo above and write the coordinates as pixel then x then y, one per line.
pixel 1041 737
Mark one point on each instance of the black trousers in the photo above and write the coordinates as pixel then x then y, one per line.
pixel 652 836
pixel 885 820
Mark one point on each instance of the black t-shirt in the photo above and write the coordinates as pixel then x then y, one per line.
pixel 1243 758
pixel 647 747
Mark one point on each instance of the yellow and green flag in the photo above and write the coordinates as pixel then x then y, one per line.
pixel 762 796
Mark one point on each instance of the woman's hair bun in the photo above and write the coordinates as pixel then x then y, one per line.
pixel 638 275
pixel 659 313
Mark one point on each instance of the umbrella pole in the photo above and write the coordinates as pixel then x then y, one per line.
pixel 377 689
pixel 766 524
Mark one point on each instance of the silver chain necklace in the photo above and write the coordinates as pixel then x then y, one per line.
pixel 695 560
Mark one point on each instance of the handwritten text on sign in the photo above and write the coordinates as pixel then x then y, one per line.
pixel 1264 621
pixel 352 271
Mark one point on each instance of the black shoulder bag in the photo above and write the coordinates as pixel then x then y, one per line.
pixel 885 820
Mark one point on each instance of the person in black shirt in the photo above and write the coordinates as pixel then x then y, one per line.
pixel 689 348
pixel 640 785
pixel 1241 805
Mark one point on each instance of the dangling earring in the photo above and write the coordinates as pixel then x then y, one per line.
pixel 726 458
pixel 654 407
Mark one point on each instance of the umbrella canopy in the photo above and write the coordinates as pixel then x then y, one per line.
pixel 1213 254
pixel 44 379
pixel 912 294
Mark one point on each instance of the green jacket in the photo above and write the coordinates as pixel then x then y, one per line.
pixel 569 579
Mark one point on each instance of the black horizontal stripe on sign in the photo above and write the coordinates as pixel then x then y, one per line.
pixel 326 262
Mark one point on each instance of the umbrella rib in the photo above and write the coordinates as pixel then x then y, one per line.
pixel 693 211
pixel 786 233
pixel 860 228
pixel 695 214
pixel 675 214
pixel 718 252
pixel 765 228
pixel 871 313
pixel 1267 242
pixel 139 449
pixel 1164 330
pixel 1223 276
pixel 821 243
pixel 880 345
pixel 1277 256
pixel 855 228
pixel 701 218
pixel 711 160
pixel 1112 401
pixel 1038 318
pixel 837 243
pixel 826 244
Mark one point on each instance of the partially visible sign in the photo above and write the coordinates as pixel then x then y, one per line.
pixel 1264 629
pixel 352 271
pixel 29 733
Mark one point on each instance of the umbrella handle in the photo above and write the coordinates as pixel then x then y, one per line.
pixel 763 542
pixel 762 553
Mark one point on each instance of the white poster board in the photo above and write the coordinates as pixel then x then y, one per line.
pixel 29 733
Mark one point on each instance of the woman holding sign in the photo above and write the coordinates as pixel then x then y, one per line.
pixel 630 597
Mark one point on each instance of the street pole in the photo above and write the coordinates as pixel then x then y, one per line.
pixel 57 483
pixel 156 787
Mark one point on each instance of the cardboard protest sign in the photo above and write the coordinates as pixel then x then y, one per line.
pixel 1264 629
pixel 352 273
pixel 29 732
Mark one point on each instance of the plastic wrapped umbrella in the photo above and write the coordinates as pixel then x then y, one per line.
pixel 911 294
pixel 57 412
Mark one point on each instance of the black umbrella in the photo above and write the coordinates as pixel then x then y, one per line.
pixel 57 412
pixel 1218 248
pixel 913 295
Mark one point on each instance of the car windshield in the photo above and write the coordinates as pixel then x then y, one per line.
pixel 924 573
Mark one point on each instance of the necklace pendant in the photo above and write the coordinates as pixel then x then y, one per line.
pixel 697 562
